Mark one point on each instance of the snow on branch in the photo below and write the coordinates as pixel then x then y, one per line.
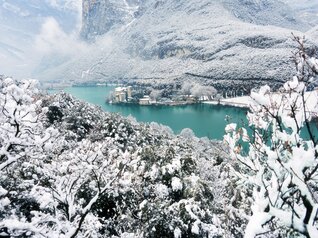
pixel 281 163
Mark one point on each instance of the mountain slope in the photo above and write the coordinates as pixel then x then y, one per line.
pixel 313 33
pixel 198 39
pixel 306 10
pixel 265 12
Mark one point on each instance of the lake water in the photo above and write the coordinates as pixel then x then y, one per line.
pixel 203 119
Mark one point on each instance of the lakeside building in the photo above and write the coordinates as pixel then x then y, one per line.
pixel 123 94
pixel 144 101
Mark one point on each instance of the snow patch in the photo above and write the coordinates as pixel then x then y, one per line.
pixel 176 184
pixel 162 191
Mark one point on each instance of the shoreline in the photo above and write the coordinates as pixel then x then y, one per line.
pixel 242 102
pixel 156 103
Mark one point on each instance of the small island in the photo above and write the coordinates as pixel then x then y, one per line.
pixel 172 95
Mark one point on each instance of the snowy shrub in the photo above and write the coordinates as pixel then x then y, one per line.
pixel 23 144
pixel 54 114
pixel 172 198
pixel 280 167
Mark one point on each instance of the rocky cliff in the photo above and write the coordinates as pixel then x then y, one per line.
pixel 99 17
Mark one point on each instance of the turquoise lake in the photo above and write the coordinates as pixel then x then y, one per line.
pixel 203 119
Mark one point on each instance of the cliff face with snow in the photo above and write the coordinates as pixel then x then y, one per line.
pixel 101 16
pixel 225 43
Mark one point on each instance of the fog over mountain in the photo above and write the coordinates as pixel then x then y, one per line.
pixel 217 41
pixel 21 24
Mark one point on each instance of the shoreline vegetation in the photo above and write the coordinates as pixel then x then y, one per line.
pixel 172 95
pixel 125 95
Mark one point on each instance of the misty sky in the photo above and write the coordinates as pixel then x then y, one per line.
pixel 31 29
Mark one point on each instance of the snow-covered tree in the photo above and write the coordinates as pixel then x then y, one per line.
pixel 277 163
pixel 155 94
pixel 23 144
pixel 186 88
pixel 78 184
pixel 199 90
pixel 110 176
pixel 20 128
pixel 68 169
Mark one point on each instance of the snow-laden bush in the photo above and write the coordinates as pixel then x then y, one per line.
pixel 24 141
pixel 280 168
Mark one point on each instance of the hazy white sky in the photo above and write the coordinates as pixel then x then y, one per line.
pixel 32 29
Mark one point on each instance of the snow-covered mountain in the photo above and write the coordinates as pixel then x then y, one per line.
pixel 101 16
pixel 219 42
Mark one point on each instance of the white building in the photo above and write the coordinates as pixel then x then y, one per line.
pixel 145 100
pixel 123 94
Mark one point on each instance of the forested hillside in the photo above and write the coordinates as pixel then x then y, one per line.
pixel 69 169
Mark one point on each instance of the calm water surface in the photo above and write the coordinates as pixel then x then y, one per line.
pixel 203 119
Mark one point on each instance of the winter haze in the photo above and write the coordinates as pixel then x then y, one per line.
pixel 30 29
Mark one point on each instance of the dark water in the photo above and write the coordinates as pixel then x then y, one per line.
pixel 203 119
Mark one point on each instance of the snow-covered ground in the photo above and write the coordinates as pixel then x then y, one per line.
pixel 245 101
